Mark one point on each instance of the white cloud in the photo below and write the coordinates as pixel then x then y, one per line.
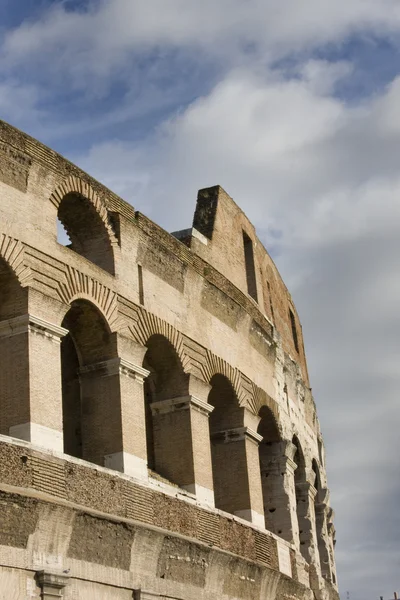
pixel 99 42
pixel 18 102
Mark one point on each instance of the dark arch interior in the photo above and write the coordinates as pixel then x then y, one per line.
pixel 227 412
pixel 300 472
pixel 166 380
pixel 13 297
pixel 268 427
pixel 227 469
pixel 299 478
pixel 269 453
pixel 86 231
pixel 13 303
pixel 88 342
pixel 317 479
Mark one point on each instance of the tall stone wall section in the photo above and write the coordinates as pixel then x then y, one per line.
pixel 158 435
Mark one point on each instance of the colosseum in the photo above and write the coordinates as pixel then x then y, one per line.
pixel 158 435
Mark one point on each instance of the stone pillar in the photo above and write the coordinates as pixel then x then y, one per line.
pixel 321 512
pixel 306 493
pixel 30 381
pixel 113 421
pixel 51 584
pixel 279 495
pixel 236 463
pixel 182 444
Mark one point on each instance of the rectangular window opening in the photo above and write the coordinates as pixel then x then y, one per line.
pixel 250 270
pixel 294 330
pixel 141 290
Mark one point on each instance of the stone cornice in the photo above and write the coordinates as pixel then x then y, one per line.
pixel 181 403
pixel 236 434
pixel 30 323
pixel 115 366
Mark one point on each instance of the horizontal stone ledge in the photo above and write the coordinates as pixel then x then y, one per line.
pixel 180 403
pixel 115 366
pixel 27 323
pixel 235 434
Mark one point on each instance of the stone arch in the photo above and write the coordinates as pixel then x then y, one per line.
pixel 85 219
pixel 75 285
pixel 148 325
pixel 163 361
pixel 12 251
pixel 258 399
pixel 90 387
pixel 214 365
pixel 268 427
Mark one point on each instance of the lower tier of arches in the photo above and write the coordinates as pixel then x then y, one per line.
pixel 95 395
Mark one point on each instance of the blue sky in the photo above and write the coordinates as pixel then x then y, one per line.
pixel 294 109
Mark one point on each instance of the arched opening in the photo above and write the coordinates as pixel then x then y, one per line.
pixel 167 428
pixel 81 228
pixel 88 387
pixel 270 451
pixel 228 453
pixel 14 351
pixel 300 472
pixel 71 398
pixel 321 524
pixel 317 480
pixel 301 505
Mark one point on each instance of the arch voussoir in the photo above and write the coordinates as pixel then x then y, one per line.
pixel 12 251
pixel 75 185
pixel 148 325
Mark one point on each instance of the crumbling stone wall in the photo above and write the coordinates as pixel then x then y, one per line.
pixel 159 436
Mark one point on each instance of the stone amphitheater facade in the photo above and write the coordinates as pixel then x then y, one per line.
pixel 158 435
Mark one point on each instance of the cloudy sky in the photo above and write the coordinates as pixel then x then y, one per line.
pixel 294 108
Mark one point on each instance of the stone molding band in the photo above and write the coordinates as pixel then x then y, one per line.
pixel 236 434
pixel 30 323
pixel 180 403
pixel 116 366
